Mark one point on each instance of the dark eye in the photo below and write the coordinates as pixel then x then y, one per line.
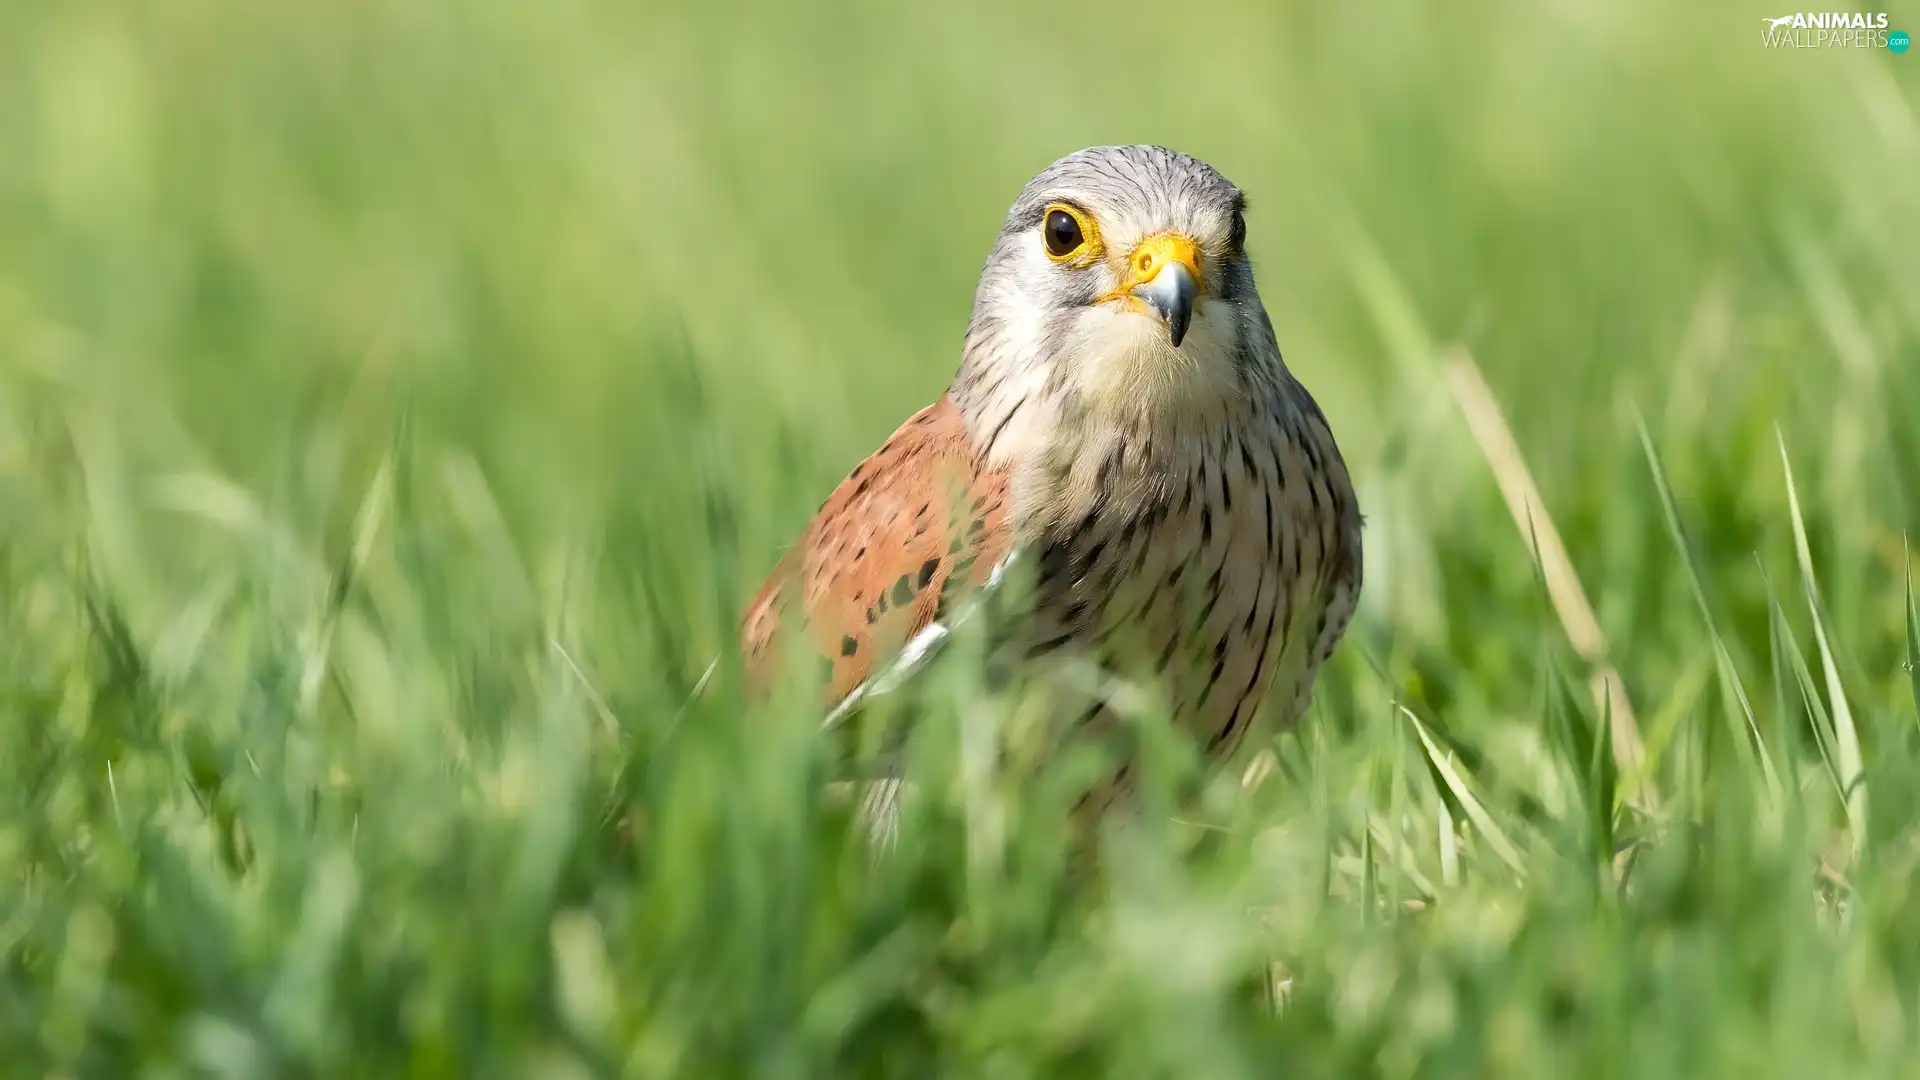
pixel 1062 233
pixel 1237 236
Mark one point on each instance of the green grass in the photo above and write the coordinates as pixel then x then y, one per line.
pixel 397 402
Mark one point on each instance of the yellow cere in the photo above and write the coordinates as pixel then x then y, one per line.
pixel 1153 253
pixel 1157 251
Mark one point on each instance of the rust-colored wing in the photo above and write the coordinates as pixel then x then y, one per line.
pixel 915 528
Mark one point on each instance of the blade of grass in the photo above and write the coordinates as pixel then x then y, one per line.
pixel 1570 603
pixel 1852 773
pixel 1729 674
pixel 1603 784
pixel 1913 636
pixel 1449 845
pixel 1779 644
pixel 366 530
pixel 1369 878
pixel 1476 810
pixel 1796 661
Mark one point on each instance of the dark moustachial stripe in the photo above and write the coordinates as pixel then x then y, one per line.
pixel 993 439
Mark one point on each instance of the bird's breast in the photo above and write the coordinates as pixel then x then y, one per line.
pixel 1189 572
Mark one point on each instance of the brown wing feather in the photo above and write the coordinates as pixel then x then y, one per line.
pixel 910 532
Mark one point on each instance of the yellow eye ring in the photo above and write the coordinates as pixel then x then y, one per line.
pixel 1069 235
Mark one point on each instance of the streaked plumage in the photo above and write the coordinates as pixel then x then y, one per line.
pixel 1121 418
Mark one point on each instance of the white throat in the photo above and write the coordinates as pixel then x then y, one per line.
pixel 1038 384
pixel 1104 402
pixel 1128 371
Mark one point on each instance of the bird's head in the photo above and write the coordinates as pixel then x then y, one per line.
pixel 1121 278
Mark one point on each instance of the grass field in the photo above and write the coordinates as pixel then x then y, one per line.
pixel 397 402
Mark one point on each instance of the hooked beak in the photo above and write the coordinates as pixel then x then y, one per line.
pixel 1163 273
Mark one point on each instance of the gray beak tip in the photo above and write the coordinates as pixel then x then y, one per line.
pixel 1171 294
pixel 1177 326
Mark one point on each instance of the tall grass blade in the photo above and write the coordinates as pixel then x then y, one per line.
pixel 1846 750
pixel 1796 665
pixel 1730 682
pixel 1913 632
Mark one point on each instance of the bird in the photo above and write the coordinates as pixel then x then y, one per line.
pixel 1122 425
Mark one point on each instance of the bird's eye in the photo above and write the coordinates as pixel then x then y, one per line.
pixel 1062 232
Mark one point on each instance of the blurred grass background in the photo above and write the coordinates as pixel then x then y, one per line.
pixel 397 401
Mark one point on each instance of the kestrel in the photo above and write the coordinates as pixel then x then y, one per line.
pixel 1122 423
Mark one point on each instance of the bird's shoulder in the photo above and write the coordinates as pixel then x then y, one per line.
pixel 911 531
